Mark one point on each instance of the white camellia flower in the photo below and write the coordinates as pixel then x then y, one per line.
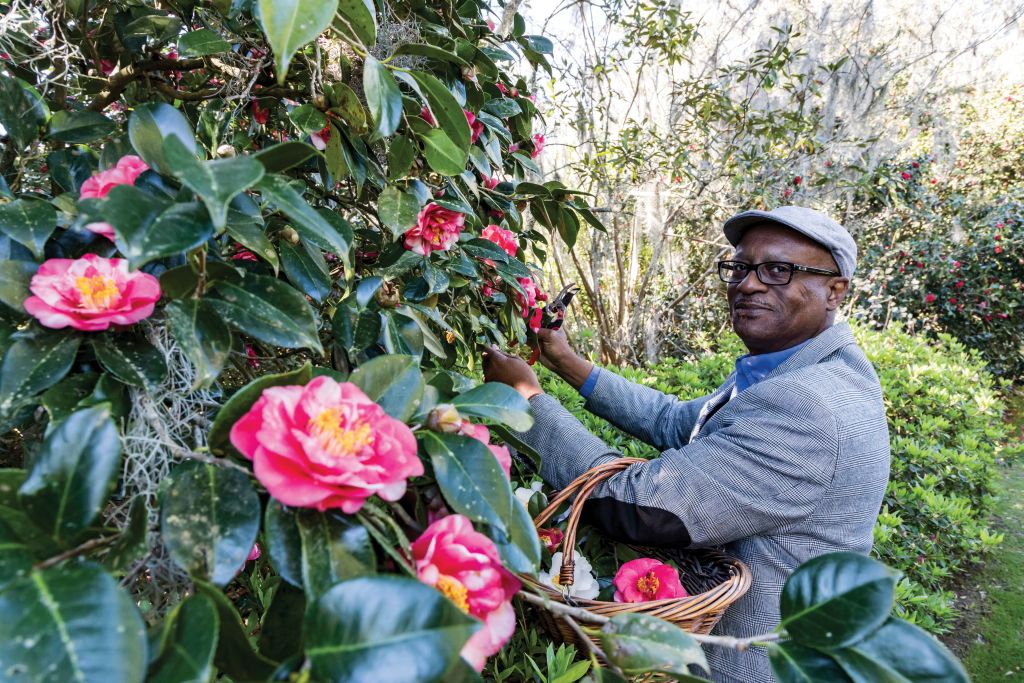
pixel 525 494
pixel 584 584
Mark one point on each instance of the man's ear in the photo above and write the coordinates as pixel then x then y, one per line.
pixel 837 289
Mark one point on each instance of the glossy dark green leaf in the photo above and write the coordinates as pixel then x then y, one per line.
pixel 252 237
pixel 187 644
pixel 357 22
pixel 29 222
pixel 61 399
pixel 131 359
pixel 308 222
pixel 149 124
pixel 306 269
pixel 284 155
pixel 132 543
pixel 243 399
pixel 899 652
pixel 401 153
pixel 640 643
pixel 290 24
pixel 384 628
pixel 200 43
pixel 792 663
pixel 216 182
pixel 80 126
pixel 15 555
pixel 397 210
pixel 334 548
pixel 32 365
pixel 235 655
pixel 446 110
pixel 382 96
pixel 209 520
pixel 394 382
pixel 148 227
pixel 81 627
pixel 281 635
pixel 366 288
pixel 284 544
pixel 836 599
pixel 470 478
pixel 307 118
pixel 15 277
pixel 503 107
pixel 268 310
pixel 401 335
pixel 498 402
pixel 203 337
pixel 541 44
pixel 518 544
pixel 23 112
pixel 442 154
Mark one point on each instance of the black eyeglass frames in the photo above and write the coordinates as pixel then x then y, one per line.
pixel 772 273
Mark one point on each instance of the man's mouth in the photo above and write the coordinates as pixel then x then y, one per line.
pixel 751 306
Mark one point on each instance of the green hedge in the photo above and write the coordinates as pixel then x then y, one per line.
pixel 948 435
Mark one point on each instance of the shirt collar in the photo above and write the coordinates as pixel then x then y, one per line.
pixel 752 369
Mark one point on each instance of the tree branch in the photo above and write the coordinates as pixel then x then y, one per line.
pixel 119 81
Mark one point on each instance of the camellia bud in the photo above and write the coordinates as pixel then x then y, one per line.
pixel 388 295
pixel 469 73
pixel 444 418
pixel 289 234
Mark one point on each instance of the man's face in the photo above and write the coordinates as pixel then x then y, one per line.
pixel 772 318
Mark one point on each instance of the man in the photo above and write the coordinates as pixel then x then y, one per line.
pixel 787 460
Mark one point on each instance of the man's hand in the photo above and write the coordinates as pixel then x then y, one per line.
pixel 510 370
pixel 557 355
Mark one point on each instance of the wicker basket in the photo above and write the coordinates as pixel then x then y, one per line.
pixel 713 580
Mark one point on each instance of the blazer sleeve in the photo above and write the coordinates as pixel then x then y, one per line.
pixel 768 465
pixel 661 420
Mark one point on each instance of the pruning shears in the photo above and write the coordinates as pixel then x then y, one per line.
pixel 554 314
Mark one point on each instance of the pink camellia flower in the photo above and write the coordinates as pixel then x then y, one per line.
pixel 538 145
pixel 506 239
pixel 797 180
pixel 646 579
pixel 998 249
pixel 914 164
pixel 255 553
pixel 326 445
pixel 490 182
pixel 320 138
pixel 127 169
pixel 532 305
pixel 260 114
pixel 475 127
pixel 513 148
pixel 463 565
pixel 491 25
pixel 551 538
pixel 929 298
pixel 90 294
pixel 959 284
pixel 427 116
pixel 436 229
pixel 501 88
pixel 490 287
pixel 905 175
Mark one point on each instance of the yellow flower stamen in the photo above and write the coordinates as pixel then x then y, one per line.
pixel 453 589
pixel 98 291
pixel 648 584
pixel 340 440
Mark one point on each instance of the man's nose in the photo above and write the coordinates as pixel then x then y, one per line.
pixel 751 283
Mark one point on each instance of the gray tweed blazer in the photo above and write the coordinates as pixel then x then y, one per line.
pixel 793 467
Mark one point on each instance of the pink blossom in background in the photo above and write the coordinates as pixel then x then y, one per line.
pixel 551 538
pixel 532 305
pixel 436 229
pixel 464 566
pixel 475 127
pixel 127 169
pixel 482 434
pixel 320 138
pixel 427 116
pixel 538 145
pixel 90 294
pixel 905 175
pixel 501 88
pixel 255 553
pixel 513 148
pixel 260 114
pixel 646 579
pixel 326 445
pixel 506 239
pixel 490 182
pixel 929 298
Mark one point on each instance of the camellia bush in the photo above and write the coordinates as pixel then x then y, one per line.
pixel 251 252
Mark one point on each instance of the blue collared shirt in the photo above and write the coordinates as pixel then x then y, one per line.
pixel 749 369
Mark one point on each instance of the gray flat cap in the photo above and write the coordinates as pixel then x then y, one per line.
pixel 809 222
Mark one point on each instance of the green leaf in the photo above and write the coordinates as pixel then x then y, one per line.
pixel 498 402
pixel 29 222
pixel 290 24
pixel 81 625
pixel 15 277
pixel 32 365
pixel 216 182
pixel 281 634
pixel 203 337
pixel 503 107
pixel 401 153
pixel 209 520
pixel 309 223
pixel 443 155
pixel 384 628
pixel 268 310
pixel 470 478
pixel 188 642
pixel 73 474
pixel 394 382
pixel 334 548
pixel 639 643
pixel 518 545
pixel 357 22
pixel 148 227
pixel 306 269
pixel 252 237
pixel 284 155
pixel 281 529
pixel 541 44
pixel 23 112
pixel 15 555
pixel 133 360
pixel 397 210
pixel 242 400
pixel 899 652
pixel 235 655
pixel 61 399
pixel 132 543
pixel 79 127
pixel 201 43
pixel 836 599
pixel 401 335
pixel 382 96
pixel 308 118
pixel 792 663
pixel 446 110
pixel 149 124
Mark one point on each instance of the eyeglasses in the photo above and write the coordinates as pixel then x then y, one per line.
pixel 769 272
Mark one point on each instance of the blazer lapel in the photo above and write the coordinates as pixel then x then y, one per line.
pixel 717 400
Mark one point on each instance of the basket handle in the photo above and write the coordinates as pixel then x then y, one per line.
pixel 582 486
